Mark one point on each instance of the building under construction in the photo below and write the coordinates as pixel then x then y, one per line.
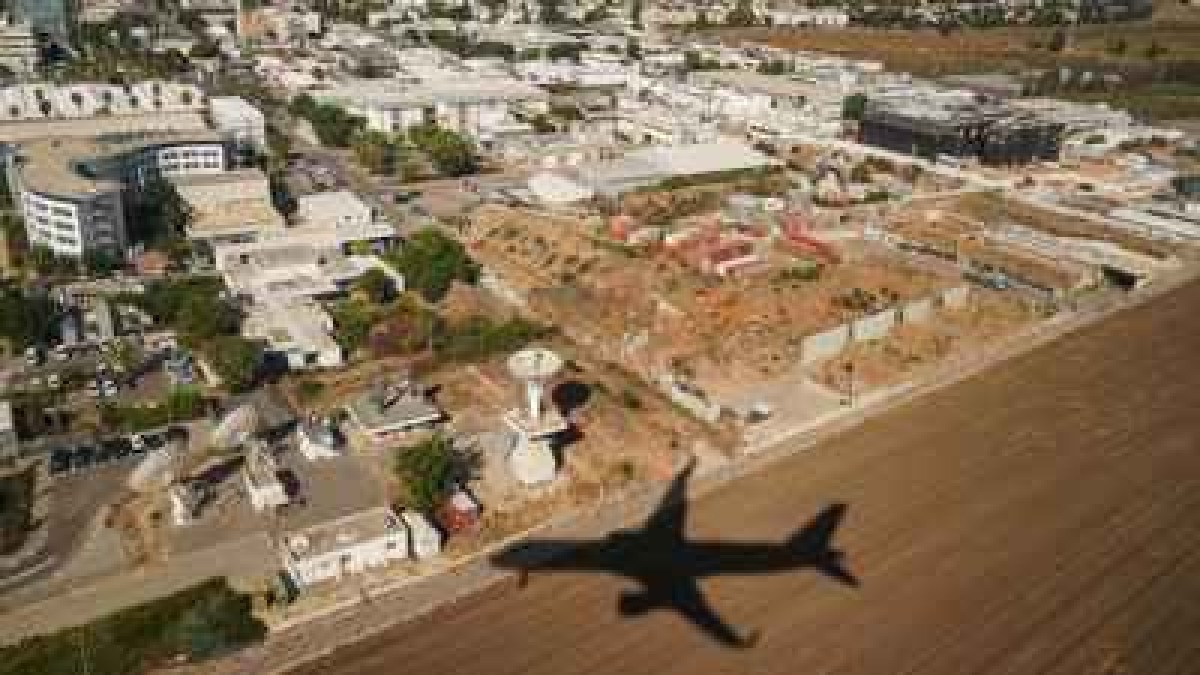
pixel 992 133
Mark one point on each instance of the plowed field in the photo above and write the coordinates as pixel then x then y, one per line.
pixel 1041 518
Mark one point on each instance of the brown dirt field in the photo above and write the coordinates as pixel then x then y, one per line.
pixel 1038 518
pixel 928 53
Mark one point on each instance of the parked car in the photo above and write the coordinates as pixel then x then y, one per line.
pixel 83 458
pixel 60 460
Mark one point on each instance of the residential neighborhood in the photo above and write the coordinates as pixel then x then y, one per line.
pixel 307 305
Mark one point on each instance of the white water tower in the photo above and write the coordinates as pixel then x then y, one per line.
pixel 534 366
pixel 532 459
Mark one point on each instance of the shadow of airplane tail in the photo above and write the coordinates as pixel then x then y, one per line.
pixel 814 543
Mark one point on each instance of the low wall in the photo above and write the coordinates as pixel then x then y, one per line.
pixel 874 326
pixel 957 297
pixel 820 346
pixel 917 311
pixel 693 401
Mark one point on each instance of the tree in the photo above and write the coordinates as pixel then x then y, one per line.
pixel 100 263
pixel 353 320
pixel 160 213
pixel 204 317
pixel 236 360
pixel 334 127
pixel 1058 41
pixel 27 316
pixel 427 470
pixel 373 150
pixel 853 106
pixel 194 306
pixel 451 153
pixel 552 13
pixel 742 15
pixel 375 285
pixel 6 201
pixel 431 261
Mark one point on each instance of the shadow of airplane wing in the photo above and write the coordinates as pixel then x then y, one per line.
pixel 670 517
pixel 685 598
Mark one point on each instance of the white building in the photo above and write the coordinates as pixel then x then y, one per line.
pixel 43 101
pixel 9 446
pixel 18 47
pixel 474 106
pixel 260 475
pixel 297 329
pixel 815 17
pixel 282 277
pixel 239 121
pixel 388 415
pixel 340 209
pixel 230 207
pixel 424 538
pixel 348 545
pixel 320 439
pixel 71 192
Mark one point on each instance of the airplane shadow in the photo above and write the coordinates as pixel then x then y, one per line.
pixel 667 567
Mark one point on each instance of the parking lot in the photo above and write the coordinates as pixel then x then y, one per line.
pixel 80 457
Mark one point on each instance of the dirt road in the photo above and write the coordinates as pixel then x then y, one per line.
pixel 1041 518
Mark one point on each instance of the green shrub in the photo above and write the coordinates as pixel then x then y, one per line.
pixel 479 338
pixel 630 400
pixel 182 404
pixel 197 623
pixel 427 469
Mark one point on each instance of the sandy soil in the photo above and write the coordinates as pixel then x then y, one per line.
pixel 1040 518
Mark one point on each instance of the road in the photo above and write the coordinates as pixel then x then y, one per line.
pixel 1040 518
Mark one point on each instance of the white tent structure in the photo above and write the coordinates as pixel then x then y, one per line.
pixel 553 189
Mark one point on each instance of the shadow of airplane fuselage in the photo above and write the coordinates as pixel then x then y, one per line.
pixel 668 567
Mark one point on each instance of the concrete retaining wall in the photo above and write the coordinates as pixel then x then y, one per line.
pixel 957 297
pixel 820 346
pixel 918 311
pixel 874 327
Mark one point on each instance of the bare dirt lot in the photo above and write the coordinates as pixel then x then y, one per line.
pixel 1039 518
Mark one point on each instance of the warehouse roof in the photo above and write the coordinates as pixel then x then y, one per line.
pixel 453 89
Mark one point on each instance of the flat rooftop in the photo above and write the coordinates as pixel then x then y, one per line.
pixel 52 165
pixel 773 85
pixel 239 216
pixel 406 410
pixel 455 88
pixel 341 533
pixel 650 165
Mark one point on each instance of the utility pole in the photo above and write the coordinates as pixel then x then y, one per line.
pixel 848 368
